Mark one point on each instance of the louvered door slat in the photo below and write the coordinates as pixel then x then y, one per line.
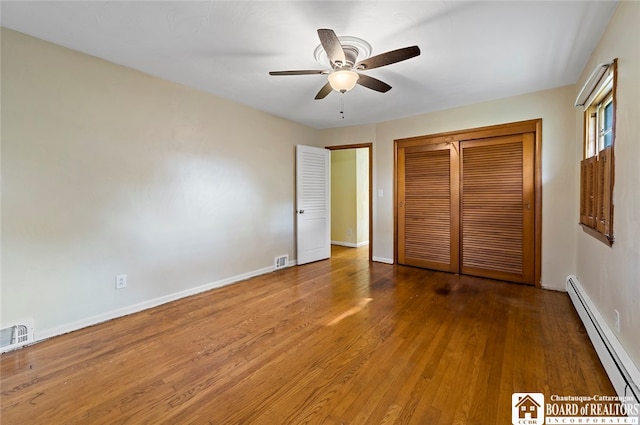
pixel 588 169
pixel 602 171
pixel 426 208
pixel 496 208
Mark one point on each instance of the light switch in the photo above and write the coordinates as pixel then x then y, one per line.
pixel 380 193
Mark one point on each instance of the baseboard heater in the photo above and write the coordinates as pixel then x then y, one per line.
pixel 623 373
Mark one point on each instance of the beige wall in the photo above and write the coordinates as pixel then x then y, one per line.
pixel 611 275
pixel 344 191
pixel 106 170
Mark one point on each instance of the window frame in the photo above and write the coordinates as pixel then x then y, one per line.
pixel 602 112
pixel 596 166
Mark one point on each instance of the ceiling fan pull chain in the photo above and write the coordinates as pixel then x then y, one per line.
pixel 342 105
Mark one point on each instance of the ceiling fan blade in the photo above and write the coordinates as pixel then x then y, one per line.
pixel 388 58
pixel 373 83
pixel 300 72
pixel 324 91
pixel 332 46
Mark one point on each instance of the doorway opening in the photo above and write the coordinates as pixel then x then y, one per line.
pixel 352 199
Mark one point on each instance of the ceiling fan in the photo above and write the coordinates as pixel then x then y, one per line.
pixel 345 67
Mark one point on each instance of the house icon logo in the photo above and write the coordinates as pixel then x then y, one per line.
pixel 527 409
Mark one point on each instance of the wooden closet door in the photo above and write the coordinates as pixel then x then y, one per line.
pixel 428 206
pixel 497 207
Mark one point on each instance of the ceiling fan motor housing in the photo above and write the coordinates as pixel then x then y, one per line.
pixel 355 49
pixel 351 56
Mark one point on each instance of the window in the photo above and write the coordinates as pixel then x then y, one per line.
pixel 596 168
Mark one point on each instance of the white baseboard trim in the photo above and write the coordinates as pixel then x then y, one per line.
pixel 350 244
pixel 135 308
pixel 383 260
pixel 622 371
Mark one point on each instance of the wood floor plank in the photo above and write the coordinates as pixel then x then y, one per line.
pixel 340 341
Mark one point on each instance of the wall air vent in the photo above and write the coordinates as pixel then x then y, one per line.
pixel 281 262
pixel 16 335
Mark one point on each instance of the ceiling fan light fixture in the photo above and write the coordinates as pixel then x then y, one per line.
pixel 343 80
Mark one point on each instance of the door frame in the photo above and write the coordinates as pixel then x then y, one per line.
pixel 369 146
pixel 528 126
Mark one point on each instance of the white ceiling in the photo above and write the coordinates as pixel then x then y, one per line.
pixel 471 51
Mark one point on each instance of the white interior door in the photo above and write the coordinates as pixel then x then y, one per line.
pixel 313 203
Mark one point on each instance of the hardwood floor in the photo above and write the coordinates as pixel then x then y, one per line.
pixel 340 341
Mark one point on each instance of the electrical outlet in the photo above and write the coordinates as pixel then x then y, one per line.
pixel 617 320
pixel 121 281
